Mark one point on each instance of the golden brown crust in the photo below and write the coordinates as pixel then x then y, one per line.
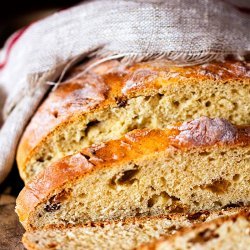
pixel 132 146
pixel 109 85
pixel 197 227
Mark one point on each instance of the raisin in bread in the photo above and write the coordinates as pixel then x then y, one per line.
pixel 115 235
pixel 109 101
pixel 229 232
pixel 199 165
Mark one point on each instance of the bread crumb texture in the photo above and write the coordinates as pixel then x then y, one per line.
pixel 112 100
pixel 232 232
pixel 115 235
pixel 147 172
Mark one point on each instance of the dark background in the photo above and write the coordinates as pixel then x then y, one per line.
pixel 16 14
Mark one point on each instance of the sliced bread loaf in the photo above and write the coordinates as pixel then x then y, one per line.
pixel 199 165
pixel 111 100
pixel 115 235
pixel 227 233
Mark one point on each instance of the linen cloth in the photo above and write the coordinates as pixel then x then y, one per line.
pixel 186 32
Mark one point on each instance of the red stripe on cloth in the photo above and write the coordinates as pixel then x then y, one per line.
pixel 9 45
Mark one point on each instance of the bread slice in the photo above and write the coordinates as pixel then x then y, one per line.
pixel 110 101
pixel 229 232
pixel 199 165
pixel 115 235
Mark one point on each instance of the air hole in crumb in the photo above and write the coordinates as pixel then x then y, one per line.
pixel 41 159
pixel 173 228
pixel 151 202
pixel 217 203
pixel 211 159
pixel 204 236
pixel 160 199
pixel 204 153
pixel 125 178
pixel 137 212
pixel 163 199
pixel 233 205
pixel 55 113
pixel 208 104
pixel 177 209
pixel 62 196
pixel 234 91
pixel 83 195
pixel 235 105
pixel 198 216
pixel 176 104
pixel 222 153
pixel 121 103
pixel 219 186
pixel 52 245
pixel 49 157
pixel 163 181
pixel 91 125
pixel 236 177
pixel 92 224
pixel 196 203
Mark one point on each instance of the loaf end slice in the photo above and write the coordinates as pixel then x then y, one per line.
pixel 116 235
pixel 229 232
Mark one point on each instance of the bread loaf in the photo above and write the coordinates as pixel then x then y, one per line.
pixel 115 235
pixel 199 165
pixel 229 232
pixel 111 100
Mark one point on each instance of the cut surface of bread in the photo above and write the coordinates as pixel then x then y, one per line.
pixel 199 165
pixel 109 101
pixel 229 233
pixel 115 235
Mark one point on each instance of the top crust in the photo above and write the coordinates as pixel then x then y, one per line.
pixel 205 131
pixel 110 84
pixel 133 145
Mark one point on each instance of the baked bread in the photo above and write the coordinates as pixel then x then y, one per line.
pixel 199 165
pixel 115 235
pixel 229 232
pixel 110 101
